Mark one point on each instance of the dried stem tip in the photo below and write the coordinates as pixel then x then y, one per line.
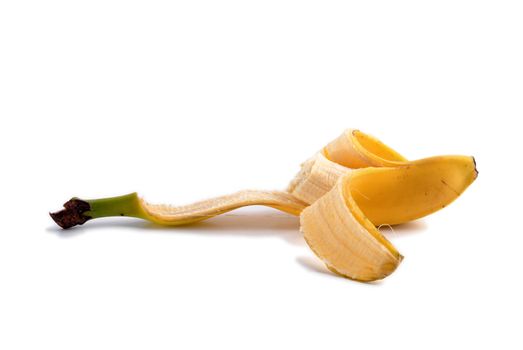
pixel 73 214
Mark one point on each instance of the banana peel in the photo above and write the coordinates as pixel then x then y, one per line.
pixel 340 227
pixel 341 194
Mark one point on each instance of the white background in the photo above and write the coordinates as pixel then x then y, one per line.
pixel 184 100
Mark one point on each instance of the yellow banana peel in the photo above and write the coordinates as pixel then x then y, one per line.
pixel 352 185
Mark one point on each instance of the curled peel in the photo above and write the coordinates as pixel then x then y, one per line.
pixel 355 149
pixel 344 239
pixel 340 227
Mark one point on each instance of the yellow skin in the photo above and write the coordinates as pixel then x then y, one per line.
pixel 394 195
pixel 340 227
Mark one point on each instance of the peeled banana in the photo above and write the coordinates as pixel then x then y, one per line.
pixel 342 193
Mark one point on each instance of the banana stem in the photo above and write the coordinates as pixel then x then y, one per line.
pixel 77 211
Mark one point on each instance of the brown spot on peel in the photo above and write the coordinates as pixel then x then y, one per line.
pixel 450 188
pixel 72 214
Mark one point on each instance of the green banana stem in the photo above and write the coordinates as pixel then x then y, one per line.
pixel 77 211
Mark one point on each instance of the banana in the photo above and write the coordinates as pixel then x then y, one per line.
pixel 341 194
